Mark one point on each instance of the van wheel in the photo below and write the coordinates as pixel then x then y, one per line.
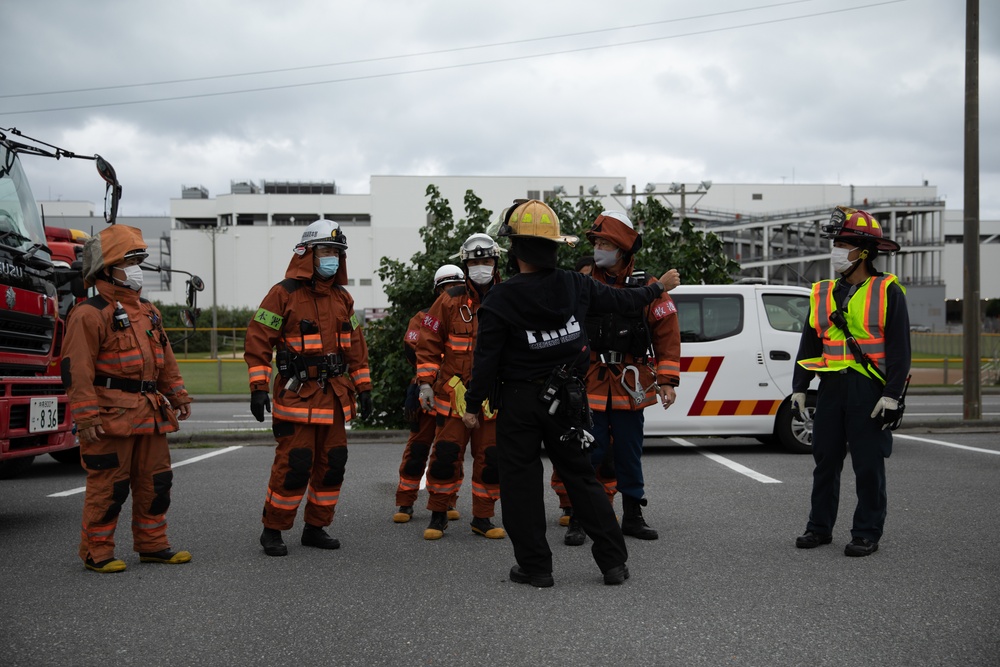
pixel 794 434
pixel 11 468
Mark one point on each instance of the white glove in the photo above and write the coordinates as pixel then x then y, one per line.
pixel 798 403
pixel 426 397
pixel 888 410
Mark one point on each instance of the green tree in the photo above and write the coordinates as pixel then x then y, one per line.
pixel 409 288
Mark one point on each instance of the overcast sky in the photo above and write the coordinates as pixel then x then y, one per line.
pixel 200 93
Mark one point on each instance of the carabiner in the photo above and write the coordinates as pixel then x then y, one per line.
pixel 636 391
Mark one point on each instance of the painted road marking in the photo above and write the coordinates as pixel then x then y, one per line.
pixel 946 444
pixel 732 465
pixel 194 459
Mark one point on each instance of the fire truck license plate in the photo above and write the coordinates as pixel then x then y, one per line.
pixel 43 415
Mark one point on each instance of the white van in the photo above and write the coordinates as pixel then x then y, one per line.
pixel 738 347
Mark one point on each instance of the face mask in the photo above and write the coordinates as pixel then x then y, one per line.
pixel 133 277
pixel 328 266
pixel 605 258
pixel 838 257
pixel 481 274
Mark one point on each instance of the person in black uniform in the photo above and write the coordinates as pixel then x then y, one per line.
pixel 532 352
pixel 862 381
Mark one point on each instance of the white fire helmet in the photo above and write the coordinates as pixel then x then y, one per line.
pixel 478 246
pixel 448 274
pixel 323 232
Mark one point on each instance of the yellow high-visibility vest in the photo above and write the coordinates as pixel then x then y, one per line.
pixel 866 319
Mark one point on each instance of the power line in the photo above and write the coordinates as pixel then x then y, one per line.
pixel 439 68
pixel 457 49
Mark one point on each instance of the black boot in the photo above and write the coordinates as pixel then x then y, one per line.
pixel 632 522
pixel 273 545
pixel 315 536
pixel 575 536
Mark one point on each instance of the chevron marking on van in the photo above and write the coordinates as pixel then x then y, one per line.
pixel 701 407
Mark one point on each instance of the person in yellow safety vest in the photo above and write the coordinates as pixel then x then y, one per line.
pixel 444 369
pixel 125 394
pixel 862 381
pixel 422 422
pixel 322 361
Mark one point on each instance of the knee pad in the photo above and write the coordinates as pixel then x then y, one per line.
pixel 119 494
pixel 337 460
pixel 444 465
pixel 162 481
pixel 491 471
pixel 299 464
pixel 414 464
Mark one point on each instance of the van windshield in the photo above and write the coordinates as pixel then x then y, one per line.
pixel 20 225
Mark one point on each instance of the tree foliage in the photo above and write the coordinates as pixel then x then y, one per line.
pixel 409 287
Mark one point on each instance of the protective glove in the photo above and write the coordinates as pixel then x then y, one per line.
pixel 365 404
pixel 258 401
pixel 889 411
pixel 427 397
pixel 798 403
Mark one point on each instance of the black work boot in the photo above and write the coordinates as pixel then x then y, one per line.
pixel 273 545
pixel 435 529
pixel 575 536
pixel 632 522
pixel 315 536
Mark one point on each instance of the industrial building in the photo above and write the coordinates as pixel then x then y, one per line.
pixel 240 242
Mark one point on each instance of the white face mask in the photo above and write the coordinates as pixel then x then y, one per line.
pixel 481 274
pixel 605 258
pixel 133 277
pixel 838 257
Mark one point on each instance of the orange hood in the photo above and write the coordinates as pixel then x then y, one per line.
pixel 109 248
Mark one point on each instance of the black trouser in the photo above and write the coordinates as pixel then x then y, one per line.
pixel 843 418
pixel 523 425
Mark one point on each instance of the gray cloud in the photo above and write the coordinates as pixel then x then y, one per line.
pixel 869 96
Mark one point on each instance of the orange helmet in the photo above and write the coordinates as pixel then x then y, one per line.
pixel 857 227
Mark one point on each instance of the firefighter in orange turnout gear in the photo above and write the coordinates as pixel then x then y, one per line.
pixel 125 394
pixel 422 422
pixel 308 322
pixel 444 368
pixel 634 360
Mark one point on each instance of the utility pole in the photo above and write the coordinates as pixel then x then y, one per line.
pixel 214 337
pixel 972 394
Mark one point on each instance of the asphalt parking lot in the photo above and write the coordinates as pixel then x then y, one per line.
pixel 723 586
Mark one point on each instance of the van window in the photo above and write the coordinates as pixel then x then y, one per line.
pixel 708 318
pixel 786 312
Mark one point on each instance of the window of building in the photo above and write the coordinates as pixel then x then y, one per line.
pixel 757 196
pixel 533 194
pixel 350 282
pixel 351 219
pixel 366 282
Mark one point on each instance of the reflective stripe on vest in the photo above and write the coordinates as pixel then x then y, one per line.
pixel 865 317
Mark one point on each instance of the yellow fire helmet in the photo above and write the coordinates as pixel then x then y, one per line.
pixel 530 217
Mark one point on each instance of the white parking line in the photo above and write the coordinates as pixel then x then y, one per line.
pixel 946 444
pixel 177 464
pixel 743 470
